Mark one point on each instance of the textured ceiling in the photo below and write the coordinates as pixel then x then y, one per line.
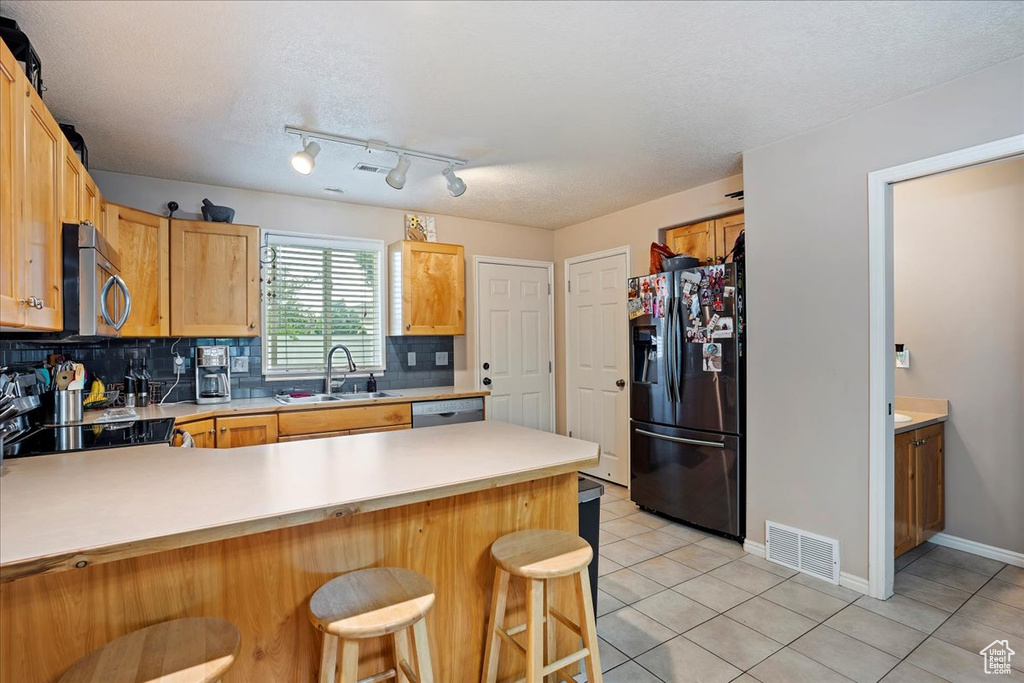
pixel 566 110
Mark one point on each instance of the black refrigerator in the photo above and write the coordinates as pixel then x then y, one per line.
pixel 687 401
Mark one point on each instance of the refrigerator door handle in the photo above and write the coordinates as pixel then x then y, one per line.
pixel 676 439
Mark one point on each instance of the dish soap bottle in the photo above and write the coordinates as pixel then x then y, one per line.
pixel 371 384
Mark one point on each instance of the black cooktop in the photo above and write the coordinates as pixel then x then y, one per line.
pixel 50 440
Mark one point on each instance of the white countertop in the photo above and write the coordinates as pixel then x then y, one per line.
pixel 57 511
pixel 923 412
pixel 190 410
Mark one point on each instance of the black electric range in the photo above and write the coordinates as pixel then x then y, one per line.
pixel 49 440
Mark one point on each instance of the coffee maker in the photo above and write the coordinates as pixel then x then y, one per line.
pixel 213 374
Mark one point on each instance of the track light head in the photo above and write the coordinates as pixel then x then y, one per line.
pixel 396 176
pixel 303 162
pixel 456 186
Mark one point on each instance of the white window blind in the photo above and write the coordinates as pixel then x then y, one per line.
pixel 319 292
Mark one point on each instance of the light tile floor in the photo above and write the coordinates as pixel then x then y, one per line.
pixel 678 606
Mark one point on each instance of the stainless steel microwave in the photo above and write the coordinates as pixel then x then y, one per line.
pixel 96 299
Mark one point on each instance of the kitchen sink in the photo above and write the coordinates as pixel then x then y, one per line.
pixel 324 398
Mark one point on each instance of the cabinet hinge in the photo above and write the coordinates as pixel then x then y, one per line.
pixel 569 283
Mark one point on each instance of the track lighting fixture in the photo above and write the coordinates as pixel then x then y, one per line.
pixel 303 162
pixel 456 186
pixel 396 176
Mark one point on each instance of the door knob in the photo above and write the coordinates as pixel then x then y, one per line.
pixel 620 383
pixel 487 381
pixel 487 366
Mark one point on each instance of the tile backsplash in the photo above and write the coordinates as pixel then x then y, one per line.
pixel 108 358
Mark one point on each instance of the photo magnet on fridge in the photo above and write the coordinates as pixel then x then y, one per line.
pixel 633 288
pixel 723 329
pixel 635 307
pixel 712 357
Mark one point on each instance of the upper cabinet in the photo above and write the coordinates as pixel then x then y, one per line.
pixel 38 231
pixel 12 313
pixel 143 242
pixel 428 288
pixel 215 288
pixel 72 186
pixel 708 241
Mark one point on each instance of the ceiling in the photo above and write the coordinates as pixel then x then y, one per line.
pixel 567 110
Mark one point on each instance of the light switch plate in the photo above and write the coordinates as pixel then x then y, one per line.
pixel 441 358
pixel 240 364
pixel 903 358
pixel 411 358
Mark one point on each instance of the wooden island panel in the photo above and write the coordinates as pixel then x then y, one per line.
pixel 262 583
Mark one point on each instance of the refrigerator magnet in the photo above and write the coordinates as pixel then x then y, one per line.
pixel 690 276
pixel 705 297
pixel 634 287
pixel 635 307
pixel 723 329
pixel 729 292
pixel 712 357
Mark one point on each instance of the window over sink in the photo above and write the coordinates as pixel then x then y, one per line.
pixel 318 292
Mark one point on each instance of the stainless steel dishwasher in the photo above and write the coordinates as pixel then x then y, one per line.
pixel 454 411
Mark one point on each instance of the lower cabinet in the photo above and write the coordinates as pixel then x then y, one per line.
pixel 919 508
pixel 246 430
pixel 201 431
pixel 299 425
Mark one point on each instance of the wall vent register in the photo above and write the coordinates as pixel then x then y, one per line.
pixel 803 551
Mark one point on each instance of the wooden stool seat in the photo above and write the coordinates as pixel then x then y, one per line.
pixel 539 556
pixel 541 553
pixel 195 650
pixel 371 602
pixel 367 604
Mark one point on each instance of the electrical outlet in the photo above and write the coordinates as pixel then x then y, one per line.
pixel 179 365
pixel 411 358
pixel 240 364
pixel 903 359
pixel 441 358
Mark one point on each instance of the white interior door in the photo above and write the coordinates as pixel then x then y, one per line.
pixel 514 314
pixel 597 404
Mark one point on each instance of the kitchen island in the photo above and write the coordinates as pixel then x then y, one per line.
pixel 96 544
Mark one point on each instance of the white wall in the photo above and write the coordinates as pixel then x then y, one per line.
pixel 959 307
pixel 807 273
pixel 636 227
pixel 286 212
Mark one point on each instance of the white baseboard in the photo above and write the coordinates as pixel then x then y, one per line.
pixel 753 548
pixel 850 581
pixel 989 551
pixel 854 583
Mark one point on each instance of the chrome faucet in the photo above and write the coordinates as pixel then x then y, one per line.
pixel 328 380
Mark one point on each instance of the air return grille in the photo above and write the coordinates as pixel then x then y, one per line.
pixel 371 168
pixel 803 551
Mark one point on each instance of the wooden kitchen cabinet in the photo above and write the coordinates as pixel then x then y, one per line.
pixel 215 275
pixel 40 166
pixel 143 242
pixel 91 202
pixel 318 422
pixel 72 186
pixel 708 241
pixel 246 430
pixel 12 313
pixel 919 487
pixel 428 288
pixel 697 240
pixel 202 432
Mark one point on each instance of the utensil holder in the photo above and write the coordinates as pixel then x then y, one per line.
pixel 67 406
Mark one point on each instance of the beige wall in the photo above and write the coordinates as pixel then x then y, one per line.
pixel 959 307
pixel 301 214
pixel 636 227
pixel 807 276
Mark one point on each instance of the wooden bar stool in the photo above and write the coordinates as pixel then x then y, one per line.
pixel 538 556
pixel 195 650
pixel 367 604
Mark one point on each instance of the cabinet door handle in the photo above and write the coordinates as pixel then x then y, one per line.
pixel 223 429
pixel 212 432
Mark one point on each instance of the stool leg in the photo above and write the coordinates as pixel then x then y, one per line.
pixel 424 667
pixel 402 654
pixel 549 629
pixel 329 659
pixel 499 598
pixel 534 630
pixel 349 661
pixel 587 626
